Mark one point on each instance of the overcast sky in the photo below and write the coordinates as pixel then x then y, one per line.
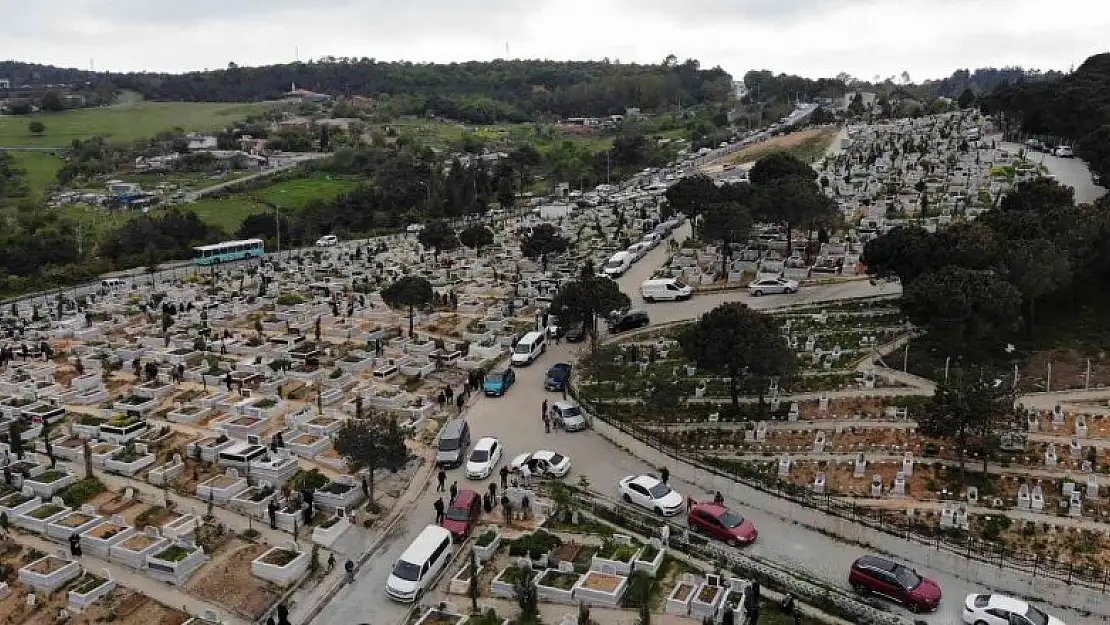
pixel 866 38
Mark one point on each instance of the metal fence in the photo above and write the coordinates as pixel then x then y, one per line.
pixel 897 524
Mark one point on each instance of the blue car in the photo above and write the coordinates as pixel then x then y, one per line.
pixel 557 377
pixel 498 381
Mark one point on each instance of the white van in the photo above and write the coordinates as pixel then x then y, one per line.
pixel 618 264
pixel 420 564
pixel 638 250
pixel 328 240
pixel 529 348
pixel 665 290
pixel 651 240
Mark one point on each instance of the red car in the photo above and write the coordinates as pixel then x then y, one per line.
pixel 722 523
pixel 463 514
pixel 872 574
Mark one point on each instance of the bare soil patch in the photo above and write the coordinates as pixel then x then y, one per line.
pixel 227 580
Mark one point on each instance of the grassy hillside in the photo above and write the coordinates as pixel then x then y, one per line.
pixel 122 122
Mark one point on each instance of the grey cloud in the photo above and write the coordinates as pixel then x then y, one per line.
pixel 755 11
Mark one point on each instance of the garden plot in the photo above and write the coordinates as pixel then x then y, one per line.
pixel 226 580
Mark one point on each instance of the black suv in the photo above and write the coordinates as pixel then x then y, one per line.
pixel 628 321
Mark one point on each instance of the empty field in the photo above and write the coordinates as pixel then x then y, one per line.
pixel 42 169
pixel 808 145
pixel 227 213
pixel 123 122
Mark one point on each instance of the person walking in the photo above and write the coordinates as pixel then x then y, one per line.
pixel 690 503
pixel 543 411
pixel 664 474
pixel 719 499
pixel 349 567
pixel 504 478
pixel 438 505
pixel 441 477
pixel 546 424
pixel 454 490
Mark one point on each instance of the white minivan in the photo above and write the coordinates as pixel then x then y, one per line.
pixel 417 568
pixel 618 264
pixel 328 240
pixel 529 348
pixel 665 290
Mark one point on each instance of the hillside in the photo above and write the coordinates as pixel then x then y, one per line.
pixel 1075 108
pixel 476 92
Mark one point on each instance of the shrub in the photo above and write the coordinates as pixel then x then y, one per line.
pixel 81 491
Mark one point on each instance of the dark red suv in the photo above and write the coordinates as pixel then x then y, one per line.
pixel 872 574
pixel 721 523
pixel 463 514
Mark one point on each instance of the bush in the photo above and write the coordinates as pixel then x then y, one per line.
pixel 81 491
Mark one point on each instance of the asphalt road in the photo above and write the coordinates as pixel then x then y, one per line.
pixel 1070 172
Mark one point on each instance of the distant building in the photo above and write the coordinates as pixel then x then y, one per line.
pixel 198 143
pixel 5 83
pixel 867 98
pixel 304 95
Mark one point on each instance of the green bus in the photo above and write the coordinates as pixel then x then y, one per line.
pixel 229 251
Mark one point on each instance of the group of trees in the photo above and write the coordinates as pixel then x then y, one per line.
pixel 981 285
pixel 1074 108
pixel 783 190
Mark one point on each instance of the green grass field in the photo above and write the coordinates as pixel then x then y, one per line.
pixel 227 213
pixel 123 122
pixel 42 169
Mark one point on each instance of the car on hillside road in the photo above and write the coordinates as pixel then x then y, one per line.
pixel 328 240
pixel 881 576
pixel 648 491
pixel 721 523
pixel 1002 610
pixel 463 514
pixel 569 416
pixel 771 286
pixel 542 463
pixel 484 458
pixel 557 377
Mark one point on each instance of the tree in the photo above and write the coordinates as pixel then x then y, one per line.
pixel 1037 268
pixel 905 253
pixel 523 159
pixel 372 444
pixel 965 409
pixel 476 237
pixel 52 102
pixel 737 341
pixel 666 396
pixel 779 166
pixel 966 310
pixel 409 292
pixel 725 224
pixel 966 99
pixel 440 236
pixel 544 240
pixel 691 194
pixel 36 127
pixel 787 193
pixel 586 299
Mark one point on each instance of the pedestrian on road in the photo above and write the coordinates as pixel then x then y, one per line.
pixel 546 424
pixel 664 474
pixel 331 563
pixel 454 490
pixel 507 508
pixel 565 390
pixel 690 503
pixel 349 567
pixel 543 411
pixel 719 499
pixel 504 478
pixel 442 478
pixel 460 401
pixel 525 475
pixel 493 494
pixel 438 505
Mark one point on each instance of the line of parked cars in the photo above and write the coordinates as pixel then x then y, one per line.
pixel 622 261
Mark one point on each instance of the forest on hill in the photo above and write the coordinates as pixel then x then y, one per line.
pixel 1075 108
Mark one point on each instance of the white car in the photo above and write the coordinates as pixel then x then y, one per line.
pixel 650 492
pixel 328 240
pixel 1003 610
pixel 483 458
pixel 765 286
pixel 543 462
pixel 1063 151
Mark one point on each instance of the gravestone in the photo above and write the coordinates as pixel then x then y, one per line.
pixel 907 463
pixel 784 465
pixel 973 495
pixel 1057 415
pixel 1075 504
pixel 876 485
pixel 1032 420
pixel 823 404
pixel 900 485
pixel 761 431
pixel 1036 499
pixel 1081 426
pixel 792 416
pixel 819 443
pixel 1075 449
pixel 948 515
pixel 961 517
pixel 1050 455
pixel 860 466
pixel 1092 487
pixel 819 484
pixel 1023 497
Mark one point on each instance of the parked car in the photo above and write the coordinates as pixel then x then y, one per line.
pixel 542 462
pixel 1003 610
pixel 628 321
pixel 498 381
pixel 650 492
pixel 1063 151
pixel 328 240
pixel 570 415
pixel 557 377
pixel 766 286
pixel 880 576
pixel 576 332
pixel 484 458
pixel 721 523
pixel 463 514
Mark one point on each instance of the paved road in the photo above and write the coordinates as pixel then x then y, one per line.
pixel 1070 172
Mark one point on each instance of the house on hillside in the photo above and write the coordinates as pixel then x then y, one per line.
pixel 202 142
pixel 5 83
pixel 304 95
